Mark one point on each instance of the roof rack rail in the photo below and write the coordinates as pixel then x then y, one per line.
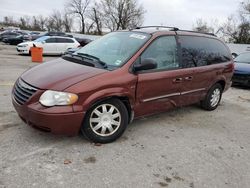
pixel 212 34
pixel 157 26
pixel 175 29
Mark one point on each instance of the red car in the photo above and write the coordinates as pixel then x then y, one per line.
pixel 123 75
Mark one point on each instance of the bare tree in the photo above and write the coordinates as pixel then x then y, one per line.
pixel 24 22
pixel 96 16
pixel 42 22
pixel 9 21
pixel 237 33
pixel 122 14
pixel 67 22
pixel 245 8
pixel 89 27
pixel 50 25
pixel 237 29
pixel 35 25
pixel 79 8
pixel 57 19
pixel 202 26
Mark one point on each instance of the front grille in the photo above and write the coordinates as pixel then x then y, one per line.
pixel 23 91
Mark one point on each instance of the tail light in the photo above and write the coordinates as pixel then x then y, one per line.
pixel 229 68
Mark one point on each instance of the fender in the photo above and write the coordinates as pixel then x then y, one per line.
pixel 105 94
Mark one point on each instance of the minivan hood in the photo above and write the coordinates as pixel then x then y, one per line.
pixel 242 68
pixel 59 74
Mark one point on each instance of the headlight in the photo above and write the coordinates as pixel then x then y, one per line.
pixel 53 98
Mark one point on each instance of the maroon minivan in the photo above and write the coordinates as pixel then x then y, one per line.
pixel 123 75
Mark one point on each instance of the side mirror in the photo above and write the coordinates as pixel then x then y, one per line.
pixel 146 64
pixel 43 42
pixel 234 55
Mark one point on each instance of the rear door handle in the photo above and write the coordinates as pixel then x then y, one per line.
pixel 188 78
pixel 177 80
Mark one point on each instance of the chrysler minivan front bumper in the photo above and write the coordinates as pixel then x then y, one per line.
pixel 57 122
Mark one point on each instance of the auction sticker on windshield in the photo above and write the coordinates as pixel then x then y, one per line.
pixel 137 36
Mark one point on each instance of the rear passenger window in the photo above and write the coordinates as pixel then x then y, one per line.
pixel 60 40
pixel 164 51
pixel 201 51
pixel 51 40
pixel 64 40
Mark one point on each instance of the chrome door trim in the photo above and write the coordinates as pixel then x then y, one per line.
pixel 193 91
pixel 161 97
pixel 172 95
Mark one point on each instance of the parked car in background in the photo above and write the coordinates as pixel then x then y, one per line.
pixel 234 55
pixel 51 33
pixel 83 41
pixel 31 35
pixel 242 70
pixel 123 75
pixel 14 40
pixel 51 45
pixel 72 50
pixel 20 32
pixel 7 34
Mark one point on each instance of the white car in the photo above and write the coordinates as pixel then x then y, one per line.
pixel 52 45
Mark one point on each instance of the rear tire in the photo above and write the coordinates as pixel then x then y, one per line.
pixel 213 98
pixel 106 121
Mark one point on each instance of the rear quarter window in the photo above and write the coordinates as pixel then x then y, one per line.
pixel 69 41
pixel 202 51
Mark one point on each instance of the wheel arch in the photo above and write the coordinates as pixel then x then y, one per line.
pixel 222 83
pixel 221 80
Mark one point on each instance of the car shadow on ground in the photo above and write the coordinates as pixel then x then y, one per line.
pixel 171 117
pixel 241 87
pixel 140 123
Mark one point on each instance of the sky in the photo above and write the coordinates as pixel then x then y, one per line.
pixel 178 13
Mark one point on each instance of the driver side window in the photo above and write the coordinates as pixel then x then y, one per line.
pixel 164 51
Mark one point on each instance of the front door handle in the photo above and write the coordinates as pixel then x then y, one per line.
pixel 177 80
pixel 188 78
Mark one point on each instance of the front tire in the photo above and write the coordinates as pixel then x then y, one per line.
pixel 213 98
pixel 106 121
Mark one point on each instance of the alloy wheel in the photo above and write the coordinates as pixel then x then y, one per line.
pixel 105 120
pixel 215 97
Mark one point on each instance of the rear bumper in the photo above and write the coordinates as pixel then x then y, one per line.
pixel 58 123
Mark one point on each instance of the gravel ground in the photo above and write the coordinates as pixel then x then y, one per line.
pixel 186 147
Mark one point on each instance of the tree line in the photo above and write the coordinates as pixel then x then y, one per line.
pixel 91 17
pixel 235 30
pixel 96 16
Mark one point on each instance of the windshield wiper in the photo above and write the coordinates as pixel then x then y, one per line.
pixel 103 64
pixel 70 57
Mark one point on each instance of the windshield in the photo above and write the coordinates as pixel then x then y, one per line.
pixel 243 58
pixel 41 39
pixel 114 49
